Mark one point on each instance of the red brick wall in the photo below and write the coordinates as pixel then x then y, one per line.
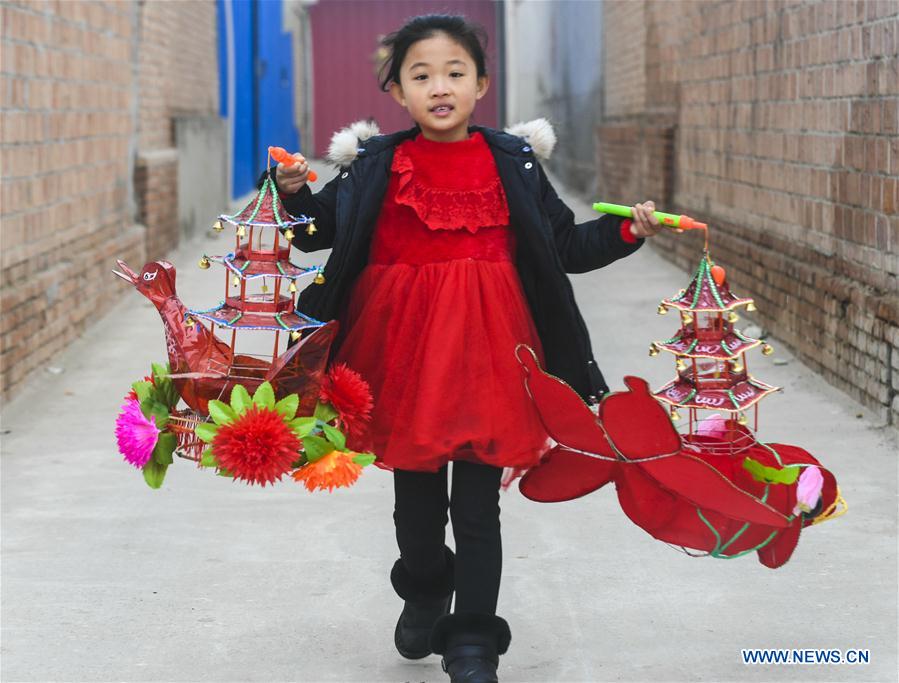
pixel 73 167
pixel 178 67
pixel 781 118
pixel 178 76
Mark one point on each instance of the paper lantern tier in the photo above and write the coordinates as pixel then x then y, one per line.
pixel 266 210
pixel 255 268
pixel 684 393
pixel 704 295
pixel 730 345
pixel 235 318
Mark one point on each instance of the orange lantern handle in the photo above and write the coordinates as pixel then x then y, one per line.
pixel 282 156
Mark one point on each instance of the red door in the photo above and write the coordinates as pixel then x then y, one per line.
pixel 345 35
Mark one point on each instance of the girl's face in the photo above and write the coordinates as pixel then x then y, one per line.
pixel 439 85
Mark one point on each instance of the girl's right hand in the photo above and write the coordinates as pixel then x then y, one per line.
pixel 291 178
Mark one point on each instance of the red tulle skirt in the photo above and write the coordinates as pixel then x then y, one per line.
pixel 432 324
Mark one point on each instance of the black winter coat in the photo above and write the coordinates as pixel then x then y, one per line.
pixel 550 244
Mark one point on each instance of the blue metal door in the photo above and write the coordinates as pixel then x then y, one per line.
pixel 253 40
pixel 274 82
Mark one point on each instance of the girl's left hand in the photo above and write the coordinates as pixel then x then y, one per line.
pixel 643 222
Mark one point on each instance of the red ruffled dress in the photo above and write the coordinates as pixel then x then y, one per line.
pixel 433 320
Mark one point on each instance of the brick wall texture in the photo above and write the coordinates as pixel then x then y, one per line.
pixel 777 123
pixel 87 157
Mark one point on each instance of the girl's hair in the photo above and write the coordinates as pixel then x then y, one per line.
pixel 469 35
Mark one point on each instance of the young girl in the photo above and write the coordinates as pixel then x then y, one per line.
pixel 450 247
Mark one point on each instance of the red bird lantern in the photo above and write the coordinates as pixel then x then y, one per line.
pixel 715 488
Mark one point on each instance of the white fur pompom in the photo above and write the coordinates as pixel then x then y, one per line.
pixel 539 133
pixel 345 142
pixel 344 146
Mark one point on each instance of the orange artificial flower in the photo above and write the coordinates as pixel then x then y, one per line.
pixel 335 469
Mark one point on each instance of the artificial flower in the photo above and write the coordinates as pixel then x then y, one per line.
pixel 714 426
pixel 808 490
pixel 350 396
pixel 258 446
pixel 135 434
pixel 335 469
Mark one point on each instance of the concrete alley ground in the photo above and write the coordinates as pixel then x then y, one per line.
pixel 209 580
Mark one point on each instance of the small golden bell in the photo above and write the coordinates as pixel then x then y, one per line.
pixel 662 309
pixel 288 234
pixel 217 226
pixel 674 414
pixel 241 231
pixel 751 307
pixel 767 349
pixel 653 350
pixel 680 365
pixel 295 335
pixel 235 281
pixel 742 419
pixel 732 317
pixel 736 367
pixel 204 263
pixel 293 286
pixel 686 318
pixel 264 288
pixel 319 279
pixel 311 229
pixel 188 321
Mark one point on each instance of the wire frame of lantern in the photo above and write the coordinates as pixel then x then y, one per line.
pixel 183 423
pixel 737 438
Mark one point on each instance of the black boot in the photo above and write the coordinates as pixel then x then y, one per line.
pixel 425 604
pixel 471 644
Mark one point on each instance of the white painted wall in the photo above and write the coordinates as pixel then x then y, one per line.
pixel 554 70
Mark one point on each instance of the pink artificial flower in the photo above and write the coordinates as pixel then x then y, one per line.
pixel 135 434
pixel 713 426
pixel 808 490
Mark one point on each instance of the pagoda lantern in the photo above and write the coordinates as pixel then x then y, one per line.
pixel 710 357
pixel 260 280
pixel 255 334
pixel 708 486
pixel 252 371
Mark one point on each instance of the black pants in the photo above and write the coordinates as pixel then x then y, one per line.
pixel 420 515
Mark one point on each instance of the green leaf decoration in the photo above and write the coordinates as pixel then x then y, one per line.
pixel 324 412
pixel 160 372
pixel 208 459
pixel 288 405
pixel 224 473
pixel 240 399
pixel 316 448
pixel 770 475
pixel 142 388
pixel 221 413
pixel 265 396
pixel 165 446
pixel 160 414
pixel 146 407
pixel 303 426
pixel 154 473
pixel 335 436
pixel 206 431
pixel 169 393
pixel 364 459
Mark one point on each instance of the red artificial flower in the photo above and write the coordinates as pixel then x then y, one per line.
pixel 351 397
pixel 258 447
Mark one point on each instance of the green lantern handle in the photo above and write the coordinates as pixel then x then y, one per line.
pixel 667 219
